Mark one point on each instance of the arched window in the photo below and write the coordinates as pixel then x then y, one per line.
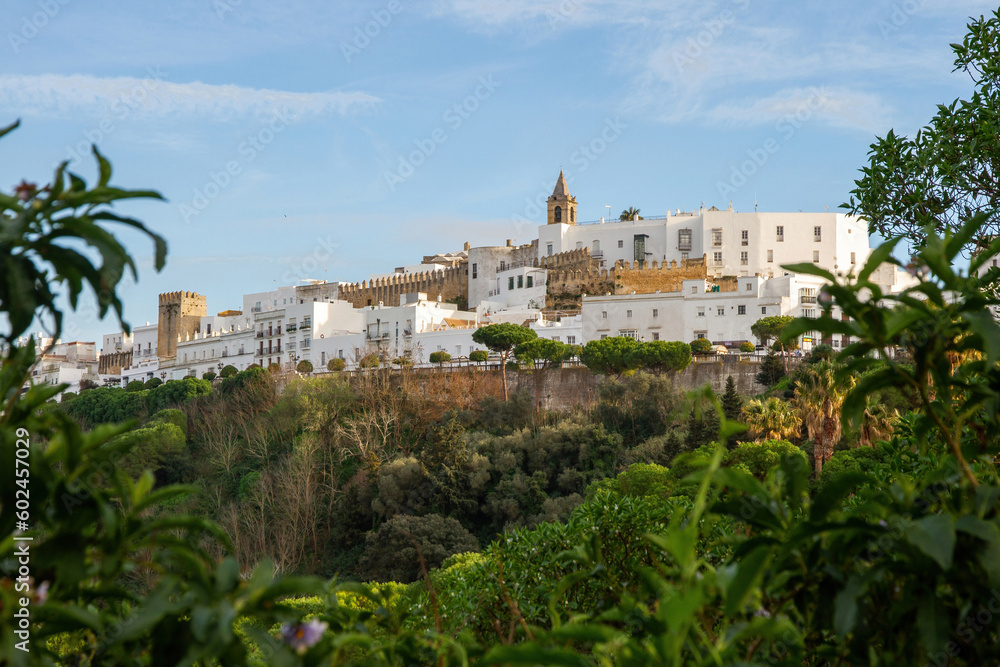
pixel 558 214
pixel 572 215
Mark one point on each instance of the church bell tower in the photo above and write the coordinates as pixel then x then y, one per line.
pixel 562 205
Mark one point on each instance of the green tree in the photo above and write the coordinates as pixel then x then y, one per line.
pixel 208 375
pixel 732 402
pixel 747 347
pixel 336 364
pixel 610 356
pixel 369 361
pixel 819 395
pixel 701 346
pixel 771 419
pixel 660 356
pixel 305 366
pixel 877 422
pixel 770 328
pixel 479 356
pixel 135 385
pixel 771 370
pixel 503 338
pixel 947 172
pixel 394 552
pixel 439 357
pixel 631 213
pixel 229 371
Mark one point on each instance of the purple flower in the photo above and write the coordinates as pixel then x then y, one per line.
pixel 301 636
pixel 825 299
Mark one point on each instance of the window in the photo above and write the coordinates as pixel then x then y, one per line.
pixel 694 289
pixel 815 256
pixel 780 234
pixel 628 313
pixel 558 214
pixel 475 271
pixel 621 244
pixel 717 238
pixel 549 248
pixel 817 234
pixel 699 335
pixel 684 256
pixel 531 281
pixel 520 282
pixel 701 312
pixel 763 310
pixel 604 314
pixel 603 336
pixel 744 258
pixel 741 310
pixel 571 340
pixel 510 283
pixel 656 335
pixel 770 255
pixel 629 333
pixel 854 259
pixel 208 328
pixel 656 312
pixel 717 258
pixel 808 312
pixel 745 237
pixel 720 311
pixel 749 286
pixel 684 239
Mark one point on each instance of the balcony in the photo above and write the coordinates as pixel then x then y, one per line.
pixel 291 327
pixel 305 325
pixel 807 298
pixel 260 334
pixel 378 336
pixel 597 254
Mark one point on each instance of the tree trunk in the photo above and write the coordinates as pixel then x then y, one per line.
pixel 503 374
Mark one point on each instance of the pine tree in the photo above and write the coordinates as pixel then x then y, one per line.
pixel 732 402
pixel 771 370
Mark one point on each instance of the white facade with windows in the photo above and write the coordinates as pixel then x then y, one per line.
pixel 734 244
pixel 698 312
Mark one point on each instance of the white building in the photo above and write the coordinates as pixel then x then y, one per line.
pixel 734 244
pixel 565 329
pixel 64 363
pixel 145 363
pixel 697 311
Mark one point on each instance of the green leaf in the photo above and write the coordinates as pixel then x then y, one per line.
pixel 833 493
pixel 878 256
pixel 810 269
pixel 934 625
pixel 745 580
pixel 845 606
pixel 934 535
pixel 531 653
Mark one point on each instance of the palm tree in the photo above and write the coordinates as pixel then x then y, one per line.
pixel 820 396
pixel 877 422
pixel 773 419
pixel 631 213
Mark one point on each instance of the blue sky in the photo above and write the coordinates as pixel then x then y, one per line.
pixel 335 140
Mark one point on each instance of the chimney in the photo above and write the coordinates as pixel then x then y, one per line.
pixel 510 243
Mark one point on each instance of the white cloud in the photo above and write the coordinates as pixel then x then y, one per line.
pixel 839 107
pixel 63 96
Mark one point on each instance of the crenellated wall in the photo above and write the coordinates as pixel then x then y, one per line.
pixel 566 286
pixel 449 284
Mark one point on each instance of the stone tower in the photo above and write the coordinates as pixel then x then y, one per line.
pixel 180 315
pixel 562 205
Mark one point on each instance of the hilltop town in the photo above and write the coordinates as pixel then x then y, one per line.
pixel 681 276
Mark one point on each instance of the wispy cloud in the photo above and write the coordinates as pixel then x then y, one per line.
pixel 68 95
pixel 838 107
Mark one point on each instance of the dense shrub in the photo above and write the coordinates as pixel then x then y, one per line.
pixel 757 458
pixel 393 552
